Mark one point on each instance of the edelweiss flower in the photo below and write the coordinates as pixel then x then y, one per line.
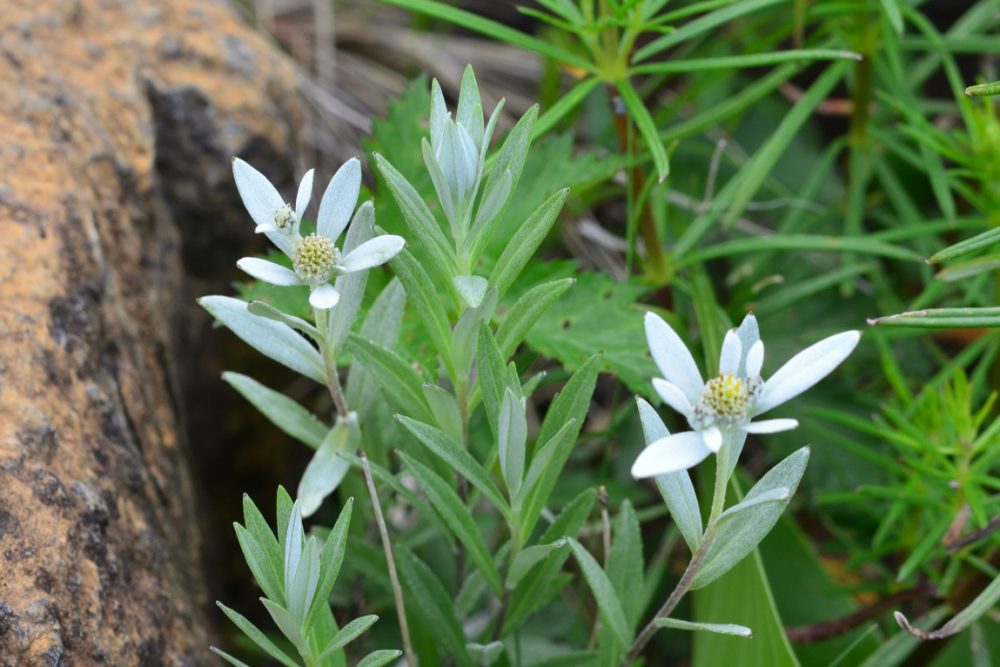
pixel 727 403
pixel 315 258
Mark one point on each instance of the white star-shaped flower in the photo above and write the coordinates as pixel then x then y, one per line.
pixel 730 401
pixel 315 258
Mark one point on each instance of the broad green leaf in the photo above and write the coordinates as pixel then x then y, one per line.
pixel 433 603
pixel 525 312
pixel 272 339
pixel 625 563
pixel 287 624
pixel 451 452
pixel 266 310
pixel 445 409
pixel 256 525
pixel 260 560
pixel 604 593
pixel 647 127
pixel 491 375
pixel 400 382
pixel 736 539
pixel 326 469
pixel 332 557
pixel 520 249
pixel 458 517
pixel 546 463
pixel 258 637
pixel 718 628
pixel 676 488
pixel 283 412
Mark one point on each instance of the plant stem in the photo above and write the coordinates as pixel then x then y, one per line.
pixel 397 591
pixel 330 363
pixel 687 579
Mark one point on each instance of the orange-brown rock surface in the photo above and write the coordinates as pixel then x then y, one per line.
pixel 117 122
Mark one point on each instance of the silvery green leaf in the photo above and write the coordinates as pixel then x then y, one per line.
pixel 604 593
pixel 472 289
pixel 272 339
pixel 422 293
pixel 303 590
pixel 544 463
pixel 283 619
pixel 441 184
pixel 258 637
pixel 527 558
pixel 399 381
pixel 293 542
pixel 736 539
pixel 379 658
pixel 445 409
pixel 469 113
pixel 435 604
pixel 718 628
pixel 228 658
pixel 676 487
pixel 332 558
pixel 419 220
pixel 491 127
pixel 983 603
pixel 347 634
pixel 326 469
pixel 495 197
pixel 491 375
pixel 265 571
pixel 351 285
pixel 772 496
pixel 529 307
pixel 485 654
pixel 526 241
pixel 512 433
pixel 283 517
pixel 439 113
pixel 339 200
pixel 733 441
pixel 283 412
pixel 381 326
pixel 261 309
pixel 463 347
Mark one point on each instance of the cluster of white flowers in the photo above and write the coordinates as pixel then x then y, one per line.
pixel 316 260
pixel 729 402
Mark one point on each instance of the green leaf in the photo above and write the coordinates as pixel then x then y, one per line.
pixel 379 658
pixel 570 404
pixel 625 563
pixel 282 411
pixel 963 270
pixel 983 89
pixel 485 654
pixel 891 9
pixel 351 286
pixel 492 375
pixel 260 560
pixel 526 242
pixel 381 326
pixel 347 634
pixel 647 127
pixel 272 339
pixel 565 104
pixel 257 637
pixel 608 603
pixel 266 310
pixel 718 628
pixel 983 603
pixel 527 558
pixel 458 517
pixel 452 453
pixel 735 539
pixel 400 382
pixel 804 242
pixel 676 488
pixel 512 434
pixel 445 409
pixel 987 238
pixel 257 527
pixel 942 318
pixel 525 312
pixel 332 557
pixel 897 649
pixel 326 469
pixel 746 60
pixel 424 297
pixel 433 604
pixel 493 29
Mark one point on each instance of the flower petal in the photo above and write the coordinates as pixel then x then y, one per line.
pixel 732 352
pixel 263 229
pixel 679 451
pixel 339 199
pixel 371 253
pixel 755 359
pixel 806 369
pixel 672 396
pixel 304 194
pixel 713 438
pixel 268 271
pixel 673 358
pixel 261 199
pixel 771 426
pixel 324 296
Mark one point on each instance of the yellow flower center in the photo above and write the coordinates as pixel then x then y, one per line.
pixel 314 258
pixel 727 395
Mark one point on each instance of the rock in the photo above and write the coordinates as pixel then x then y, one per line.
pixel 118 119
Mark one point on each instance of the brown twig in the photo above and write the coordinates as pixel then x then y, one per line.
pixel 816 632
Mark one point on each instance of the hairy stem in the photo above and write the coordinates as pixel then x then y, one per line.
pixel 397 591
pixel 330 363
